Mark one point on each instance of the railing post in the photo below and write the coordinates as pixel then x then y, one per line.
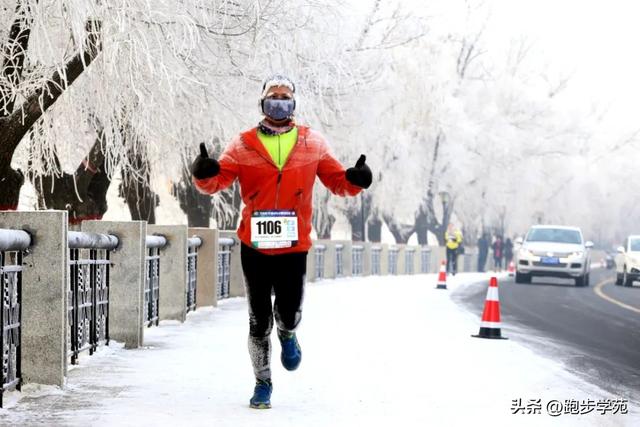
pixel 311 264
pixel 173 271
pixel 329 258
pixel 401 261
pixel 236 288
pixel 207 266
pixel 127 278
pixel 44 295
pixel 366 259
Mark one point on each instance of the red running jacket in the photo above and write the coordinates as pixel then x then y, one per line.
pixel 264 187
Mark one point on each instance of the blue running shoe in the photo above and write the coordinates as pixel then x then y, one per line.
pixel 291 353
pixel 261 395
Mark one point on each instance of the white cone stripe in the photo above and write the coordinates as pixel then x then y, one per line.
pixel 492 294
pixel 495 325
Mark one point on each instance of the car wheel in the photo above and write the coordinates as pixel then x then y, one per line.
pixel 523 277
pixel 626 280
pixel 618 279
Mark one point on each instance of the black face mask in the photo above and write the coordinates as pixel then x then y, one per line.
pixel 278 109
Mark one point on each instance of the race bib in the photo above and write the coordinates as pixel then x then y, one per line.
pixel 274 229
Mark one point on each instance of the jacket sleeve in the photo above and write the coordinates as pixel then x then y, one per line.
pixel 333 176
pixel 229 169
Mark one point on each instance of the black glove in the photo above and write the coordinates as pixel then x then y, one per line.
pixel 204 166
pixel 360 175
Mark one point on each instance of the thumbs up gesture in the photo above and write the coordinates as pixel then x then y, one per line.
pixel 360 174
pixel 204 166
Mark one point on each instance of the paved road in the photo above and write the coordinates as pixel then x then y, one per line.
pixel 594 330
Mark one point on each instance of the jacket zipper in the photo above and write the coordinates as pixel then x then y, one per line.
pixel 269 160
pixel 278 188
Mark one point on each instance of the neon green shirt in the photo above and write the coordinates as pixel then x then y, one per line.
pixel 279 146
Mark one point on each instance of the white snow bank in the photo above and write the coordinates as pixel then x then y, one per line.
pixel 376 351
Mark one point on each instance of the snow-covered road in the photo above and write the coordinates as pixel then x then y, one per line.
pixel 376 351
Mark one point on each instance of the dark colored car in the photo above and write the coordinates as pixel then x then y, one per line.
pixel 609 262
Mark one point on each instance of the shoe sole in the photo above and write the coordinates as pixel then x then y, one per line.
pixel 290 368
pixel 260 406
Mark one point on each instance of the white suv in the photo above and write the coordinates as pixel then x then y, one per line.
pixel 628 261
pixel 553 251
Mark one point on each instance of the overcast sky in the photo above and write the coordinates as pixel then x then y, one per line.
pixel 596 39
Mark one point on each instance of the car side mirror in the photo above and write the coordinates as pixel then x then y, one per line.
pixel 589 244
pixel 620 250
pixel 519 240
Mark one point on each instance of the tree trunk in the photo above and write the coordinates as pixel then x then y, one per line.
pixel 374 229
pixel 196 205
pixel 322 220
pixel 227 217
pixel 83 193
pixel 15 123
pixel 426 219
pixel 401 232
pixel 136 188
pixel 10 181
pixel 357 216
pixel 422 227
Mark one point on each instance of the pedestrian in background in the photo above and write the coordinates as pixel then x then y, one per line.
pixel 508 252
pixel 498 253
pixel 453 238
pixel 483 251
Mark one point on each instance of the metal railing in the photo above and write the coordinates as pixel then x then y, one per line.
pixel 357 258
pixel 193 243
pixel 151 304
pixel 409 256
pixel 224 266
pixel 88 291
pixel 13 245
pixel 339 260
pixel 425 260
pixel 376 255
pixel 318 253
pixel 393 260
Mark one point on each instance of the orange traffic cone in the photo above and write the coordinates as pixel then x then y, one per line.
pixel 512 269
pixel 442 276
pixel 490 323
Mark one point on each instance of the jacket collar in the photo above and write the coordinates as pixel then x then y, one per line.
pixel 251 140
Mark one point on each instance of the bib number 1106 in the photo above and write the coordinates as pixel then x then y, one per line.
pixel 274 229
pixel 269 227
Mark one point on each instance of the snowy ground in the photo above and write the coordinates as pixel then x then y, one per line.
pixel 376 351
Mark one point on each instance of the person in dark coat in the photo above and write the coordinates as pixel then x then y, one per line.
pixel 483 252
pixel 498 253
pixel 508 252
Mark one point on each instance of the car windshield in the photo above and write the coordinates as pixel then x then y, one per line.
pixel 634 245
pixel 557 235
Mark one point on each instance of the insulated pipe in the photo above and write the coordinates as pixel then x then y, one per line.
pixel 81 240
pixel 14 240
pixel 194 241
pixel 226 241
pixel 155 241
